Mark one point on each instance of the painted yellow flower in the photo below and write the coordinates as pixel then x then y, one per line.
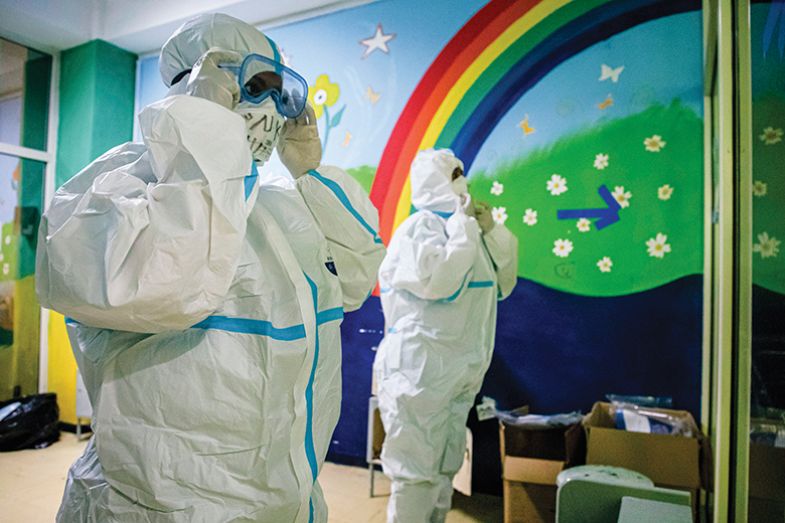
pixel 323 93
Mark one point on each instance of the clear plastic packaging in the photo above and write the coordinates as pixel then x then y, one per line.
pixel 538 421
pixel 769 433
pixel 635 418
pixel 658 402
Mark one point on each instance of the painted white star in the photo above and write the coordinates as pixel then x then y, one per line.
pixel 377 41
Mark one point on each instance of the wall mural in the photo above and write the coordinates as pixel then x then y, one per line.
pixel 581 124
pixel 768 201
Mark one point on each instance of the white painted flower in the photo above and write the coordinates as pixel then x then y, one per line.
pixel 2 257
pixel 601 161
pixel 771 135
pixel 6 268
pixel 530 217
pixel 584 225
pixel 767 246
pixel 665 192
pixel 562 248
pixel 621 196
pixel 654 143
pixel 658 246
pixel 605 264
pixel 557 185
pixel 8 240
pixel 497 188
pixel 499 215
pixel 759 188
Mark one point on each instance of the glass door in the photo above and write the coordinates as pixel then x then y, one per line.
pixel 765 394
pixel 25 159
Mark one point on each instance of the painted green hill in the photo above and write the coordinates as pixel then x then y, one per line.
pixel 364 176
pixel 768 200
pixel 645 175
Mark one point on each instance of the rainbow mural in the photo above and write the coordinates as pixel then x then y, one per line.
pixel 499 54
pixel 466 75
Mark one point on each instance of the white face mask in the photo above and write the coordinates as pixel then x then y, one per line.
pixel 460 186
pixel 264 124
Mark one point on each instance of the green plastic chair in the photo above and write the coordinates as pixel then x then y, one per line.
pixel 608 495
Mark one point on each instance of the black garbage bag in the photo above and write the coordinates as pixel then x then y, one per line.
pixel 29 422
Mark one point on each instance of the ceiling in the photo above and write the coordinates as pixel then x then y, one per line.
pixel 139 26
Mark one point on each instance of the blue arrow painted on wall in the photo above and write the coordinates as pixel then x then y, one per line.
pixel 607 216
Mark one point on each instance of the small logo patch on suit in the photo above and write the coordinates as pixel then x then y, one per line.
pixel 331 267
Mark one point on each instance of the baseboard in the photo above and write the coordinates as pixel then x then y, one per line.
pixel 71 427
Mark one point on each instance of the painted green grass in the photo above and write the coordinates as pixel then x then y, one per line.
pixel 768 208
pixel 679 164
pixel 8 253
pixel 364 176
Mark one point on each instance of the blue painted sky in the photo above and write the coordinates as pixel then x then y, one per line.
pixel 10 117
pixel 662 61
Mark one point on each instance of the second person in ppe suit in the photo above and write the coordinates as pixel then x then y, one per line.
pixel 205 308
pixel 446 266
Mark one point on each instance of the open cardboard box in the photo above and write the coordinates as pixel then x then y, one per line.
pixel 767 483
pixel 670 461
pixel 531 461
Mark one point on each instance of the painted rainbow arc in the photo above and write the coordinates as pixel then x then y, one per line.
pixel 501 53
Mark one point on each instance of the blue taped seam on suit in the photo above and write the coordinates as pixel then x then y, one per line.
pixel 442 214
pixel 480 284
pixel 248 326
pixel 310 451
pixel 250 180
pixel 329 315
pixel 341 195
pixel 265 328
pixel 455 295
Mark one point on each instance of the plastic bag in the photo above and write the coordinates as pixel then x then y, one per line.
pixel 658 402
pixel 767 432
pixel 635 418
pixel 29 422
pixel 539 422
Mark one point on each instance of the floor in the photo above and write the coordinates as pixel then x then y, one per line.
pixel 31 485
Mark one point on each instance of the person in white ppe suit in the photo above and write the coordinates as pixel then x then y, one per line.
pixel 446 266
pixel 204 308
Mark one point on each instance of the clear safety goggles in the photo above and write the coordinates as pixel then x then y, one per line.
pixel 261 77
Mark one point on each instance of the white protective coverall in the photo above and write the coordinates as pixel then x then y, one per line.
pixel 204 312
pixel 439 283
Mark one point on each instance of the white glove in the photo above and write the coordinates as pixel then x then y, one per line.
pixel 484 217
pixel 467 205
pixel 209 81
pixel 299 148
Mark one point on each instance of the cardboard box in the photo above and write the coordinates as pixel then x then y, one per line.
pixel 767 483
pixel 670 461
pixel 531 461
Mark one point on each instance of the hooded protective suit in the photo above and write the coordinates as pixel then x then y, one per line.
pixel 204 312
pixel 439 282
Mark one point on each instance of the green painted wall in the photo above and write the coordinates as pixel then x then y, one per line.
pixel 97 82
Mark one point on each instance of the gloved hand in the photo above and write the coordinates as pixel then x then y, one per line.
pixel 209 81
pixel 484 217
pixel 467 204
pixel 299 148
